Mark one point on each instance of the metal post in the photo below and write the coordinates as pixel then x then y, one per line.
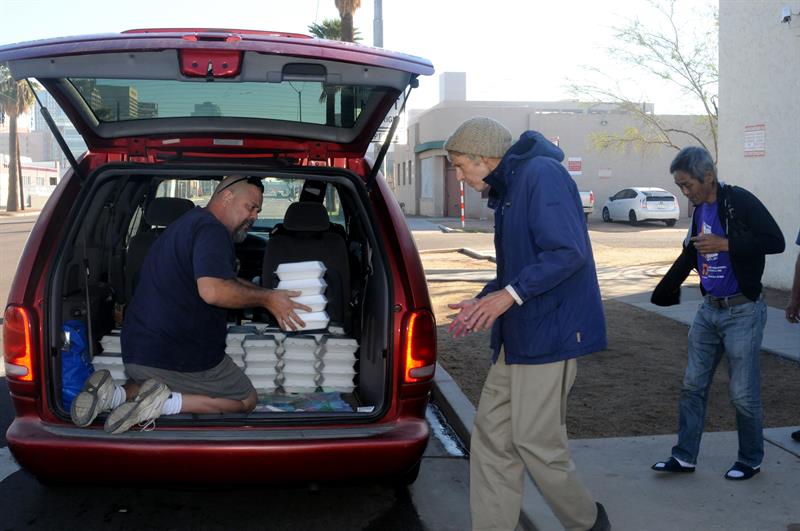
pixel 377 25
pixel 461 187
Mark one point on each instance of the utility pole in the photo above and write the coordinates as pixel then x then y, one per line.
pixel 377 25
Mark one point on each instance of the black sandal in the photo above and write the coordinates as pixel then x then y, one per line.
pixel 671 465
pixel 746 471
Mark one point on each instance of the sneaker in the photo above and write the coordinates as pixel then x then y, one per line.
pixel 95 398
pixel 145 407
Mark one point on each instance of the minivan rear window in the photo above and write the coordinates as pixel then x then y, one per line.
pixel 118 100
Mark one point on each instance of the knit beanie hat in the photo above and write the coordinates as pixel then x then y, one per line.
pixel 480 136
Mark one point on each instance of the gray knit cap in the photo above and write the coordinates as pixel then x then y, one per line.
pixel 480 136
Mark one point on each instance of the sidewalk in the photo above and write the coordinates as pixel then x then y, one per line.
pixel 617 471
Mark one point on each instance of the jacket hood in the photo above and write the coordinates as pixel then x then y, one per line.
pixel 530 144
pixel 533 144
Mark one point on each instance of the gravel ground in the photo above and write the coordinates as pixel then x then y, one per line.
pixel 632 388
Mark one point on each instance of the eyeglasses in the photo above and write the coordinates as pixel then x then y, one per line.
pixel 255 181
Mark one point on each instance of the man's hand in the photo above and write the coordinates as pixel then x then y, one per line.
pixel 458 327
pixel 480 314
pixel 710 243
pixel 279 303
pixel 793 311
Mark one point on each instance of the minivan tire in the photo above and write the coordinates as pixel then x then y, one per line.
pixel 670 222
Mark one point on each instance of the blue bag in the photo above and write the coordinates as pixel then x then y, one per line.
pixel 76 365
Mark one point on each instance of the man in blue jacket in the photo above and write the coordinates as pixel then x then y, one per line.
pixel 730 235
pixel 544 310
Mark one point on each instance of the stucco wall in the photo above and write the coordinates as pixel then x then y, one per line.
pixel 759 68
pixel 605 173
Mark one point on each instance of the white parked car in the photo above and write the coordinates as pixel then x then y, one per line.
pixel 641 204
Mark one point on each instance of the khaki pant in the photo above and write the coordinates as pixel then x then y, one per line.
pixel 521 423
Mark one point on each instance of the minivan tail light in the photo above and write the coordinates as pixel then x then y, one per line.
pixel 420 347
pixel 18 344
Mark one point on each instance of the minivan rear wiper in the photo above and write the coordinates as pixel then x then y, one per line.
pixel 57 134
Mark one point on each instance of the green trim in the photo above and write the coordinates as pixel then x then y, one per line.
pixel 427 146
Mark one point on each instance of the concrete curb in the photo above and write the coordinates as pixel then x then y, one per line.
pixel 460 414
pixel 478 255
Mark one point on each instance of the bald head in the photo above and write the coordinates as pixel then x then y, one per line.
pixel 236 203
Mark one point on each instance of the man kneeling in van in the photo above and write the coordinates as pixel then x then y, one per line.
pixel 173 336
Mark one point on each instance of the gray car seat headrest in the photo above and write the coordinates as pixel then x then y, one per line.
pixel 164 210
pixel 306 216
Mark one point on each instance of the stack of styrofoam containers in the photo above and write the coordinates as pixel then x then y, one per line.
pixel 111 357
pixel 234 340
pixel 297 368
pixel 306 277
pixel 336 368
pixel 261 357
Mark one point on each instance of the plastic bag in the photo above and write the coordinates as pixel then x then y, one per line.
pixel 76 364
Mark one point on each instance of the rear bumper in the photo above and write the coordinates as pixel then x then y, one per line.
pixel 658 214
pixel 242 456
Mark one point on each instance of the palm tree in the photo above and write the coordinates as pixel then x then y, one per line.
pixel 331 29
pixel 347 9
pixel 15 99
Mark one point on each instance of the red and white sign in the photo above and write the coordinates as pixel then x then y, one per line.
pixel 575 165
pixel 755 140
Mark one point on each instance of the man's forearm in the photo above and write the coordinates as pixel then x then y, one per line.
pixel 232 293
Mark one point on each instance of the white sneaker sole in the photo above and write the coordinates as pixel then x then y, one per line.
pixel 94 398
pixel 146 406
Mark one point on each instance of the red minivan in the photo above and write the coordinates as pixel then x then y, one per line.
pixel 166 114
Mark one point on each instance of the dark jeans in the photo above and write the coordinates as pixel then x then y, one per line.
pixel 737 332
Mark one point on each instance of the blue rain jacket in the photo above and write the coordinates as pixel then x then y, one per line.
pixel 543 251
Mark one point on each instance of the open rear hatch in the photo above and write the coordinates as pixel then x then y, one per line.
pixel 179 110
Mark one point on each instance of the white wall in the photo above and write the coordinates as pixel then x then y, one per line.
pixel 759 68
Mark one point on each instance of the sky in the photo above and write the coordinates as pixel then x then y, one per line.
pixel 511 50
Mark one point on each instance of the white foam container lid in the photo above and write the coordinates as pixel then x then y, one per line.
pixel 106 361
pixel 317 303
pixel 308 286
pixel 255 341
pixel 260 371
pixel 308 269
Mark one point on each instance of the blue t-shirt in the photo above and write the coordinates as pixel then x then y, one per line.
pixel 167 324
pixel 715 270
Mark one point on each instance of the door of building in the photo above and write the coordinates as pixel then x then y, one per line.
pixel 452 192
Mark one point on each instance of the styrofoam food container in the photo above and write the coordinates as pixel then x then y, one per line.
pixel 343 343
pixel 307 286
pixel 260 371
pixel 337 357
pixel 315 321
pixel 258 341
pixel 303 342
pixel 298 367
pixel 317 303
pixel 261 355
pixel 300 270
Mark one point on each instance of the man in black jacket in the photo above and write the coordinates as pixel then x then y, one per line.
pixel 730 235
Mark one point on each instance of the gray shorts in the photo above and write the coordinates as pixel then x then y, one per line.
pixel 226 380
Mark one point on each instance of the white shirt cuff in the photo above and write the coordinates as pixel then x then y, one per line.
pixel 513 293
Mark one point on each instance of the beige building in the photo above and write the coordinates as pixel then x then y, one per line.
pixel 424 181
pixel 759 123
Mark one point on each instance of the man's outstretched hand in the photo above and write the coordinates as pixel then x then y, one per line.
pixel 479 314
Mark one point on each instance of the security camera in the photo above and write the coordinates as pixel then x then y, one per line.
pixel 786 15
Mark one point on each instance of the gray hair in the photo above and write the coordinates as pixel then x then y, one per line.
pixel 695 161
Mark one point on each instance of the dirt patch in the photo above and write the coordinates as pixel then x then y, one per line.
pixel 632 388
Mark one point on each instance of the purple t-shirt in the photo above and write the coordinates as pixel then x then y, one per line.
pixel 715 270
pixel 167 324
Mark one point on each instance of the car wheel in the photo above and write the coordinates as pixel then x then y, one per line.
pixel 632 218
pixel 606 215
pixel 670 222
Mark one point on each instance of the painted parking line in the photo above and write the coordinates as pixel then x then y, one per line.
pixel 8 464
